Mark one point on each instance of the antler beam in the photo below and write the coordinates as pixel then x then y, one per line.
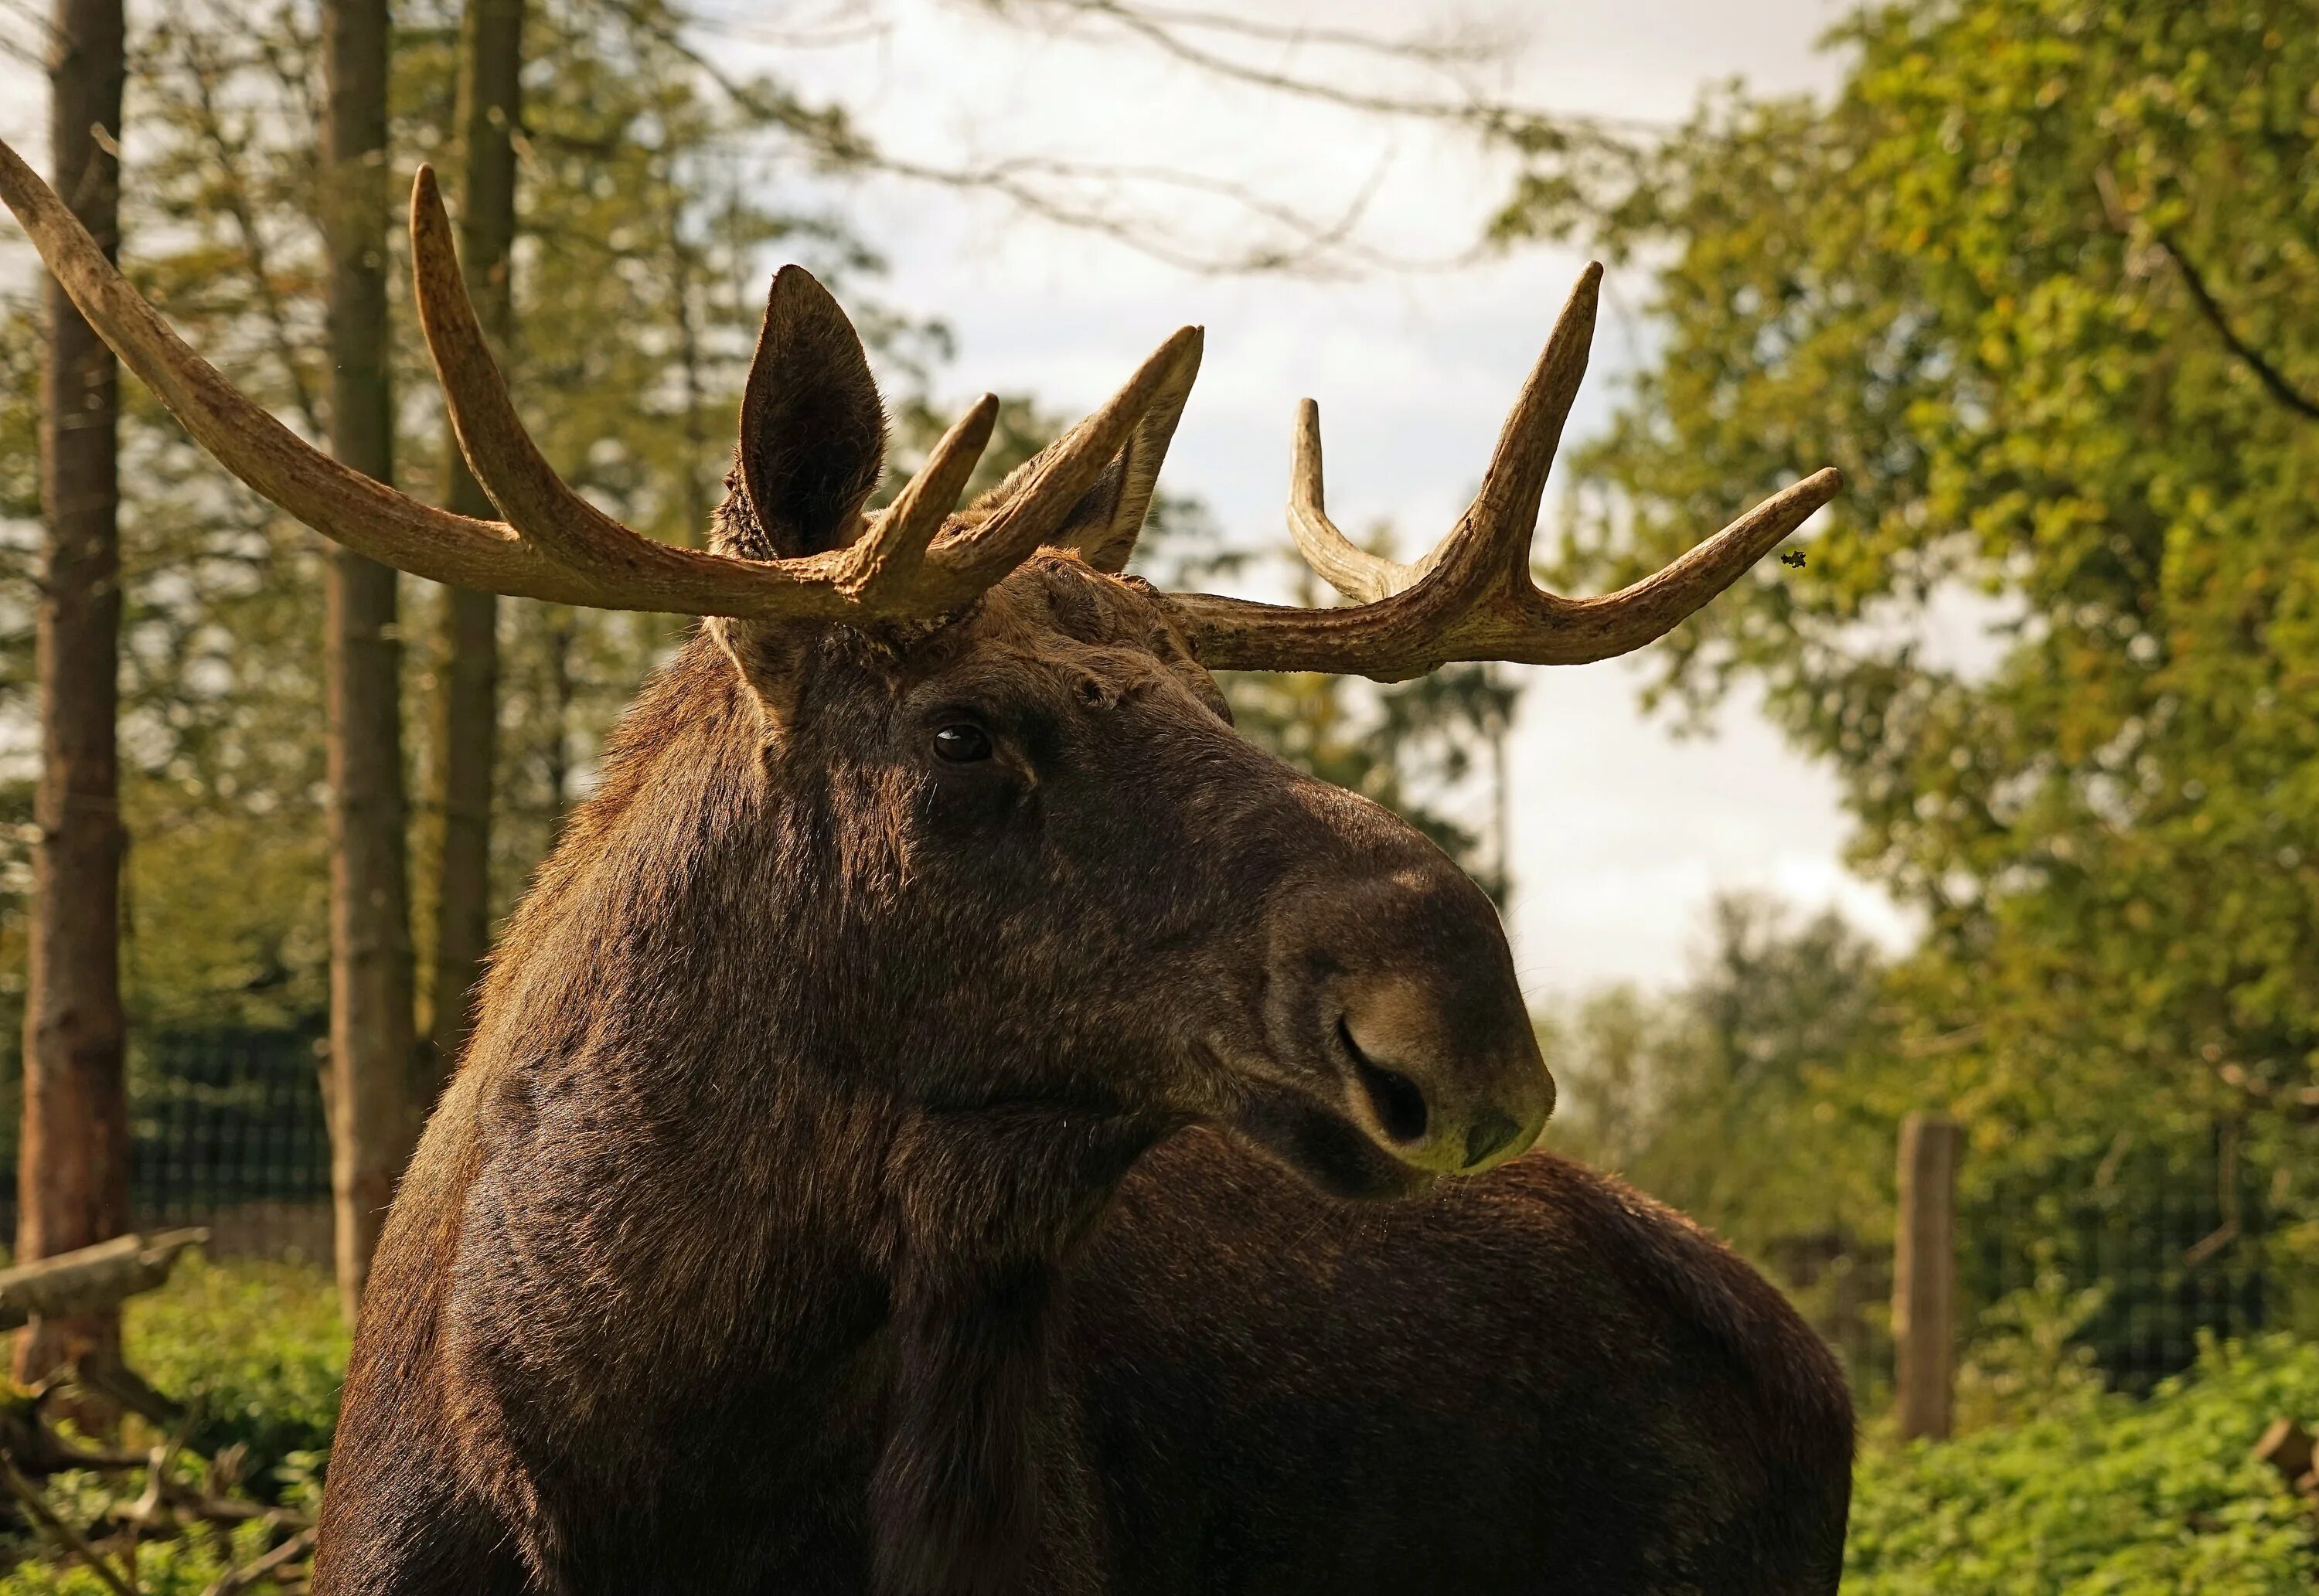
pixel 363 515
pixel 1472 597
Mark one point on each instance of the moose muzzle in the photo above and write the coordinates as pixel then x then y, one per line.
pixel 1399 985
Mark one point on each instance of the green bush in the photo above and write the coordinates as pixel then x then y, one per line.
pixel 2095 1493
pixel 257 1351
pixel 183 1567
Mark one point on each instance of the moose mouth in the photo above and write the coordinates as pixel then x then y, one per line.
pixel 1326 1146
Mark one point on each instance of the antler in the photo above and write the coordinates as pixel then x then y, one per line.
pixel 555 544
pixel 1472 597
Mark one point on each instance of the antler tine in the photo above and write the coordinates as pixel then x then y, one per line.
pixel 1472 597
pixel 1336 558
pixel 1503 516
pixel 889 557
pixel 365 515
pixel 978 555
pixel 630 569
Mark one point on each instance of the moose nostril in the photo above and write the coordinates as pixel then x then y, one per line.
pixel 1492 1132
pixel 1398 1104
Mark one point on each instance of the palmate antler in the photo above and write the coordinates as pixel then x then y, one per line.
pixel 1471 599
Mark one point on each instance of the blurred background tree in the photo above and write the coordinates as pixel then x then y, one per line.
pixel 2043 279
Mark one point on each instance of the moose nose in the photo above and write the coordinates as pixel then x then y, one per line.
pixel 1397 980
pixel 1429 1088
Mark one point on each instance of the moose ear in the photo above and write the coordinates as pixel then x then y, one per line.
pixel 813 431
pixel 1102 525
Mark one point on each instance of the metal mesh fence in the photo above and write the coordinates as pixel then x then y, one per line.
pixel 2158 1244
pixel 226 1129
pixel 2141 1249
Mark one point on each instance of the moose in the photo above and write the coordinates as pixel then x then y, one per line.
pixel 952 1116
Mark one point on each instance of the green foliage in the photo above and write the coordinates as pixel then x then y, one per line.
pixel 1702 1096
pixel 188 1566
pixel 2098 1493
pixel 256 1351
pixel 1971 280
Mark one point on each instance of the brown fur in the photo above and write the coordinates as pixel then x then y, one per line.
pixel 829 1200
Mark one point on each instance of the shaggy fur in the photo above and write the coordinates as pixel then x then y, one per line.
pixel 871 1173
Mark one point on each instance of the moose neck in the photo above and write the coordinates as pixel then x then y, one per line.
pixel 698 1030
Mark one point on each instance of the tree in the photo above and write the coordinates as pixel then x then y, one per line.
pixel 2041 278
pixel 372 1040
pixel 73 1157
pixel 488 112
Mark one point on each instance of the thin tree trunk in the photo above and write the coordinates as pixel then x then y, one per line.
pixel 688 347
pixel 467 729
pixel 560 630
pixel 372 1042
pixel 73 1167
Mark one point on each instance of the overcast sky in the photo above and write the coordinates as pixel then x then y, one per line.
pixel 1620 833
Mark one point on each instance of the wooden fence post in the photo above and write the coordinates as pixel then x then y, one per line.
pixel 1923 1275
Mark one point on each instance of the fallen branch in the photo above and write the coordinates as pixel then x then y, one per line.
pixel 31 1451
pixel 91 1278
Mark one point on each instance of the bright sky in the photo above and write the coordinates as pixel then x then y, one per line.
pixel 1620 833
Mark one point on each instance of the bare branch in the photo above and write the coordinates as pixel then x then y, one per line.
pixel 2267 374
pixel 2124 221
pixel 205 72
pixel 1163 28
pixel 241 1579
pixel 1301 241
pixel 1441 53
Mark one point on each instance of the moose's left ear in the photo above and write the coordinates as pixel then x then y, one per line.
pixel 1102 525
pixel 813 431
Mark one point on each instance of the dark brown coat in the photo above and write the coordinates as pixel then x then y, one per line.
pixel 819 1208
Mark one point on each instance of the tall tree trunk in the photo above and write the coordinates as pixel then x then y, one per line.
pixel 562 625
pixel 73 1168
pixel 373 1046
pixel 490 108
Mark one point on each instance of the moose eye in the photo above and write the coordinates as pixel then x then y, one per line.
pixel 962 744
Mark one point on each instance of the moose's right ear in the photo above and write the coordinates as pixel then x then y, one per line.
pixel 813 431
